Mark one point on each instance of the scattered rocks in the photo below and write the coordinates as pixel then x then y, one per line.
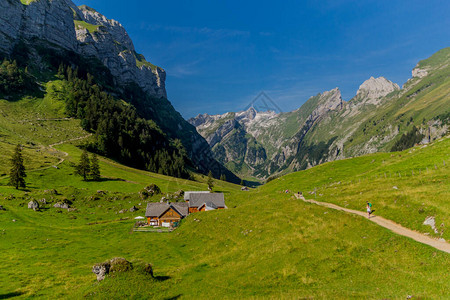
pixel 51 192
pixel 244 188
pixel 133 209
pixel 101 192
pixel 43 201
pixel 122 211
pixel 430 221
pixel 2 208
pixel 116 264
pixel 395 187
pixel 34 205
pixel 61 205
pixel 149 191
pixel 178 194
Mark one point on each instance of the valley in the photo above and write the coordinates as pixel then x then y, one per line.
pixel 295 184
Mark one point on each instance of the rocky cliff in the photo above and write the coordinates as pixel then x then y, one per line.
pixel 83 30
pixel 373 90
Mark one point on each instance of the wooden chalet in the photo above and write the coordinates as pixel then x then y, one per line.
pixel 166 214
pixel 204 201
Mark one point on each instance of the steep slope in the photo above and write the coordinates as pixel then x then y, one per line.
pixel 43 34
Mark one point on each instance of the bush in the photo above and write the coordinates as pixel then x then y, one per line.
pixel 149 191
pixel 119 264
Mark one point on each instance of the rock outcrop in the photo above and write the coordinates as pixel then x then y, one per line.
pixel 116 264
pixel 60 24
pixel 373 90
pixel 34 205
pixel 419 73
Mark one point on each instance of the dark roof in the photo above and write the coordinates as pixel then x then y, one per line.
pixel 181 207
pixel 188 193
pixel 157 209
pixel 197 199
pixel 208 204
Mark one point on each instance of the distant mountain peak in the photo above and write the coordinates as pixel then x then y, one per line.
pixel 374 88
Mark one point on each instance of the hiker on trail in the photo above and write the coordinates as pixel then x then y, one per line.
pixel 369 209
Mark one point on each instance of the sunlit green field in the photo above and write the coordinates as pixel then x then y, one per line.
pixel 266 245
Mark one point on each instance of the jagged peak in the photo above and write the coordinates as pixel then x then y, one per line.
pixel 377 85
pixel 373 89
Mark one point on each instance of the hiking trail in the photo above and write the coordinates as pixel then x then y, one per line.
pixel 396 228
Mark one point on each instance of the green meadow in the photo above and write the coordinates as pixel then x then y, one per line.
pixel 266 244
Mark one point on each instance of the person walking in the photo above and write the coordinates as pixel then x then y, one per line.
pixel 369 209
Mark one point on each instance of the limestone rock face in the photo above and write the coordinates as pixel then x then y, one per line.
pixel 373 89
pixel 50 21
pixel 109 41
pixel 419 73
pixel 60 24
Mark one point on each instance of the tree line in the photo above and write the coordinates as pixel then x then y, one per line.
pixel 119 132
pixel 15 80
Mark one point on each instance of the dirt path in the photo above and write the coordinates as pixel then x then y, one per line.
pixel 61 159
pixel 440 245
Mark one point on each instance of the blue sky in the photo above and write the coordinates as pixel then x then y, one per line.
pixel 219 55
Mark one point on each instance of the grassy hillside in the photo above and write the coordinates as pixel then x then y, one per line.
pixel 266 245
pixel 404 186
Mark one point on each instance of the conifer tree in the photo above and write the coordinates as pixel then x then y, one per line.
pixel 17 173
pixel 83 168
pixel 95 168
pixel 210 181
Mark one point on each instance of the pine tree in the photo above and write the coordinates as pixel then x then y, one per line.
pixel 210 181
pixel 223 177
pixel 17 173
pixel 242 182
pixel 83 168
pixel 95 168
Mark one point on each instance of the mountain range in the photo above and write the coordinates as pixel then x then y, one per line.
pixel 326 128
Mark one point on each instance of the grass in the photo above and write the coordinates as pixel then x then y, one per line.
pixel 90 27
pixel 27 2
pixel 140 61
pixel 266 245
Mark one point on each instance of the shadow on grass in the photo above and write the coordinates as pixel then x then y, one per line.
pixel 10 295
pixel 104 179
pixel 174 297
pixel 163 278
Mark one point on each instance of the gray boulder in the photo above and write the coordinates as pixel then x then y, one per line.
pixel 61 205
pixel 101 270
pixel 116 264
pixel 133 209
pixel 34 205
